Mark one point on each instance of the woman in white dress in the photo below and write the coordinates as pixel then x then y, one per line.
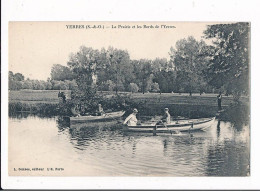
pixel 131 120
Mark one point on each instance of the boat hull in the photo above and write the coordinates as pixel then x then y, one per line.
pixel 181 126
pixel 115 124
pixel 104 118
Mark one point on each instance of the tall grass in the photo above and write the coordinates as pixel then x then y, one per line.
pixel 37 108
pixel 36 96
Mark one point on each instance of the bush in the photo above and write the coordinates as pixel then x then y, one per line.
pixel 155 87
pixel 71 84
pixel 59 85
pixel 48 85
pixel 15 85
pixel 133 87
pixel 108 85
pixel 27 84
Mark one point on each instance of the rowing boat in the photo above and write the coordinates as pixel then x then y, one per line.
pixel 103 118
pixel 177 126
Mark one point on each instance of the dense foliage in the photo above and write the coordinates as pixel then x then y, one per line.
pixel 61 73
pixel 18 84
pixel 194 66
pixel 229 64
pixel 190 59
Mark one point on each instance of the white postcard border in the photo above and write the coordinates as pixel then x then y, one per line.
pixel 196 10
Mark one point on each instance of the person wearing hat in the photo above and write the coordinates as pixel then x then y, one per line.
pixel 131 120
pixel 166 117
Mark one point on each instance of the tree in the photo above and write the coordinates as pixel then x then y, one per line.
pixel 27 84
pixel 71 84
pixel 15 77
pixel 85 63
pixel 166 80
pixel 118 68
pixel 143 74
pixel 161 64
pixel 229 64
pixel 18 77
pixel 108 85
pixel 15 85
pixel 48 85
pixel 42 85
pixel 37 85
pixel 133 87
pixel 10 75
pixel 60 85
pixel 189 59
pixel 61 73
pixel 155 87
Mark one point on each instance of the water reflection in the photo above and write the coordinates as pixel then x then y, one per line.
pixel 229 154
pixel 238 115
pixel 218 128
pixel 227 159
pixel 221 150
pixel 63 123
pixel 226 153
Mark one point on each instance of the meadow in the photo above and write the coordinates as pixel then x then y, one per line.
pixel 148 104
pixel 51 96
pixel 36 96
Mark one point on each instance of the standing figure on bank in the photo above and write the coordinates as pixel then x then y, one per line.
pixel 131 120
pixel 63 97
pixel 219 101
pixel 60 97
pixel 100 110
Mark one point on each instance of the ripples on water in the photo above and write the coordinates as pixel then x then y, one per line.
pixel 221 150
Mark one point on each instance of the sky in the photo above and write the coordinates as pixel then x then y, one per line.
pixel 35 46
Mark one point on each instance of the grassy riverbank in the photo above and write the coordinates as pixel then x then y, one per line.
pixel 51 96
pixel 148 104
pixel 36 96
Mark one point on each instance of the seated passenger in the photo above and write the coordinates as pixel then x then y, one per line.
pixel 166 117
pixel 75 111
pixel 131 120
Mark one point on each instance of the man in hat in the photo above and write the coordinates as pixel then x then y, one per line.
pixel 166 117
pixel 131 120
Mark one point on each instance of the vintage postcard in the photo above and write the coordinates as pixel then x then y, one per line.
pixel 129 99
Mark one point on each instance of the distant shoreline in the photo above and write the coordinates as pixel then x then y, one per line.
pixel 51 97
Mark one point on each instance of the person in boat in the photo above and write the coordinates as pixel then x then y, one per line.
pixel 75 111
pixel 166 119
pixel 131 120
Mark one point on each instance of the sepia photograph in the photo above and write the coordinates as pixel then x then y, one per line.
pixel 129 99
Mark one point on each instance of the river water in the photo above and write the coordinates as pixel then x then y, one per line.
pixel 59 149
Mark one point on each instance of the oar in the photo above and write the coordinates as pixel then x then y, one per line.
pixel 111 117
pixel 177 132
pixel 166 127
